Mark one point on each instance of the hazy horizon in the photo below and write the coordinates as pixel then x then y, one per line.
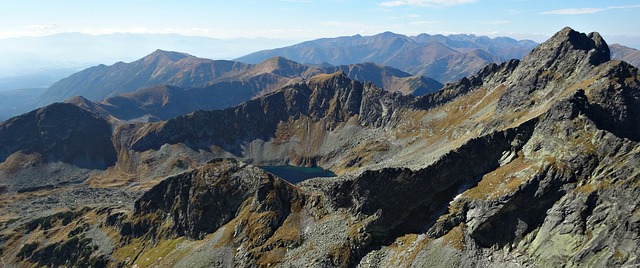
pixel 40 45
pixel 300 20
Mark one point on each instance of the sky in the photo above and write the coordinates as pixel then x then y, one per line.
pixel 309 19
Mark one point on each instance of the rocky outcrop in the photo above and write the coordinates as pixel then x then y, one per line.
pixel 332 98
pixel 201 201
pixel 373 194
pixel 565 58
pixel 224 193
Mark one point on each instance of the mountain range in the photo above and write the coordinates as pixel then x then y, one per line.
pixel 37 62
pixel 444 58
pixel 167 84
pixel 530 162
pixel 435 56
pixel 166 68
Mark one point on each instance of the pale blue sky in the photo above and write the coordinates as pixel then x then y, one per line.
pixel 307 19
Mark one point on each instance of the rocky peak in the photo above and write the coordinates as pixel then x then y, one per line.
pixel 568 44
pixel 280 66
pixel 78 101
pixel 330 98
pixel 199 202
pixel 563 60
pixel 88 105
pixel 165 55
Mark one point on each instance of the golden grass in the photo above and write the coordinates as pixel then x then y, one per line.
pixel 128 253
pixel 18 161
pixel 403 252
pixel 340 255
pixel 586 189
pixel 289 231
pixel 501 181
pixel 364 154
pixel 453 123
pixel 320 78
pixel 272 257
pixel 159 253
pixel 455 238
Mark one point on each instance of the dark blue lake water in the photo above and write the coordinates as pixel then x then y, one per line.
pixel 295 174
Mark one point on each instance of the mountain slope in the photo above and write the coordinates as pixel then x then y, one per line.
pixel 53 154
pixel 527 163
pixel 630 55
pixel 165 102
pixel 159 67
pixel 520 138
pixel 455 66
pixel 388 78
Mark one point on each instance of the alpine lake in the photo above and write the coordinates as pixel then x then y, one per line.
pixel 295 174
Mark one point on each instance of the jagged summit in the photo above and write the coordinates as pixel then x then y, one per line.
pixel 570 43
pixel 568 57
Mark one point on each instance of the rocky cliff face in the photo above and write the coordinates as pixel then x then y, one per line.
pixel 201 201
pixel 528 163
pixel 325 100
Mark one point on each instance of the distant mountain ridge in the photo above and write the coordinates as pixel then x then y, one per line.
pixel 422 54
pixel 450 56
pixel 159 67
pixel 630 55
pixel 167 84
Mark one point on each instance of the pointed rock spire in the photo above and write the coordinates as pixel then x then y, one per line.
pixel 573 46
